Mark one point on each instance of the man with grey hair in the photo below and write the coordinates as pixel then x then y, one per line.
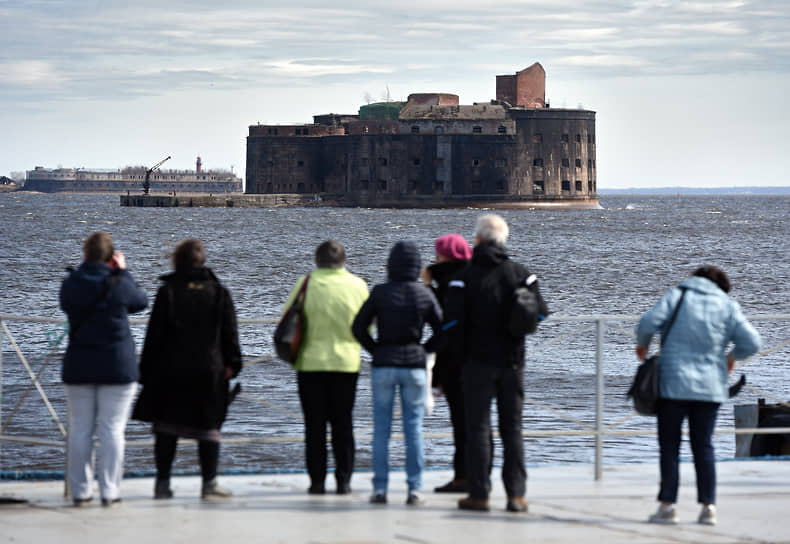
pixel 479 301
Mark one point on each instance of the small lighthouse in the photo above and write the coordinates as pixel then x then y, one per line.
pixel 199 165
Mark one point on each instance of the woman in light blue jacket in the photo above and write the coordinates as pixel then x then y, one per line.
pixel 693 368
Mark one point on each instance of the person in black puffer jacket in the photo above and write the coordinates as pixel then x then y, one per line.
pixel 479 303
pixel 401 307
pixel 191 350
pixel 452 255
pixel 100 366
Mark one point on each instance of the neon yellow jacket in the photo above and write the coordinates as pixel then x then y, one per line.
pixel 333 298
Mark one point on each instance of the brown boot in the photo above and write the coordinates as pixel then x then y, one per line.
pixel 516 504
pixel 470 503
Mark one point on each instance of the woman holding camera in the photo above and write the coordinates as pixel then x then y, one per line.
pixel 99 367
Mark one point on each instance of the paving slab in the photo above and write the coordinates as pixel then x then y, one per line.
pixel 565 505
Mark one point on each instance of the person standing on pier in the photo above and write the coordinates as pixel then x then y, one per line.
pixel 452 255
pixel 328 364
pixel 99 367
pixel 400 307
pixel 478 306
pixel 191 351
pixel 692 380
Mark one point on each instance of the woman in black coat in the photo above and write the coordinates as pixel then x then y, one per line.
pixel 191 350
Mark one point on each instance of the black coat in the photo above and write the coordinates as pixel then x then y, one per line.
pixel 448 365
pixel 401 307
pixel 98 301
pixel 478 308
pixel 191 339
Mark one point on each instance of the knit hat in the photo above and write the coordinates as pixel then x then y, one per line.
pixel 453 246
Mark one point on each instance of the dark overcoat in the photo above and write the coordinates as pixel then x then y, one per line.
pixel 191 339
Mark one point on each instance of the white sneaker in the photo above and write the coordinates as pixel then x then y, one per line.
pixel 708 515
pixel 666 515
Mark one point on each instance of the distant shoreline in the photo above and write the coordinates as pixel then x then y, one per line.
pixel 751 190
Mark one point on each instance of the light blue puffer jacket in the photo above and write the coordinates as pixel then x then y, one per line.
pixel 693 361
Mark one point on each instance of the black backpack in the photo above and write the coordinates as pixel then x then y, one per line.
pixel 525 307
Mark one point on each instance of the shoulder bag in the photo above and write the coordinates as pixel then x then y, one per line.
pixel 290 330
pixel 644 389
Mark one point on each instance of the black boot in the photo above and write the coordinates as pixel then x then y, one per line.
pixel 162 490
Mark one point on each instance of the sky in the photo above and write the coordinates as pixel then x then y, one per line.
pixel 686 93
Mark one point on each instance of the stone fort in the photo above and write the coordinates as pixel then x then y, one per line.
pixel 431 151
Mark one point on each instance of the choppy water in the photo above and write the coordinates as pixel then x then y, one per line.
pixel 617 260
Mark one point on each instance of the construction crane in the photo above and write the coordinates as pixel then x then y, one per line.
pixel 147 182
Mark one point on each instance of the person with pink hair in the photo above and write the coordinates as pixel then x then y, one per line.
pixel 452 254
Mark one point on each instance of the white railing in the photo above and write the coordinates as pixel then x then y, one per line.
pixel 599 430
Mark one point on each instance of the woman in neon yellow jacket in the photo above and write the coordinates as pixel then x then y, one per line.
pixel 328 364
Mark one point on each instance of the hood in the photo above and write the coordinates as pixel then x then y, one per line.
pixel 489 254
pixel 193 274
pixel 404 262
pixel 703 285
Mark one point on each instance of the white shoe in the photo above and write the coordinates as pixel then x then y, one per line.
pixel 666 515
pixel 708 515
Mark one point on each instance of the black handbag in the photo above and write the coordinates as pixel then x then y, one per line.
pixel 644 389
pixel 290 330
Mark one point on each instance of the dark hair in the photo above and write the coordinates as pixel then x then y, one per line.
pixel 189 253
pixel 330 254
pixel 98 247
pixel 716 275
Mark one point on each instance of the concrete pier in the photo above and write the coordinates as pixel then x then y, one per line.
pixel 565 505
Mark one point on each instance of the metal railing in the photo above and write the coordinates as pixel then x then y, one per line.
pixel 599 430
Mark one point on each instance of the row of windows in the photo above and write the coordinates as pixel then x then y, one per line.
pixel 539 187
pixel 565 138
pixel 498 163
pixel 272 131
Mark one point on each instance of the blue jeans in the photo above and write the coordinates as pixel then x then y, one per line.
pixel 702 420
pixel 412 383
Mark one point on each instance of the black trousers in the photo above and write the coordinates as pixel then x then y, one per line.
pixel 328 397
pixel 481 384
pixel 165 452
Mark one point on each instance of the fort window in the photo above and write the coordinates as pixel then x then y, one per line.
pixel 439 130
pixel 578 163
pixel 383 161
pixel 589 163
pixel 363 184
pixel 579 138
pixel 538 187
pixel 270 131
pixel 304 131
pixel 589 186
pixel 501 130
pixel 593 163
pixel 500 185
pixel 565 138
pixel 537 162
pixel 566 163
pixel 499 163
pixel 275 132
pixel 566 186
pixel 416 162
pixel 298 131
pixel 477 130
pixel 537 138
pixel 589 138
pixel 415 129
pixel 578 186
pixel 475 162
pixel 300 163
pixel 300 188
pixel 382 185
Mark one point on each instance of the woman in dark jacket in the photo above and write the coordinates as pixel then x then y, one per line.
pixel 401 307
pixel 452 255
pixel 100 366
pixel 191 351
